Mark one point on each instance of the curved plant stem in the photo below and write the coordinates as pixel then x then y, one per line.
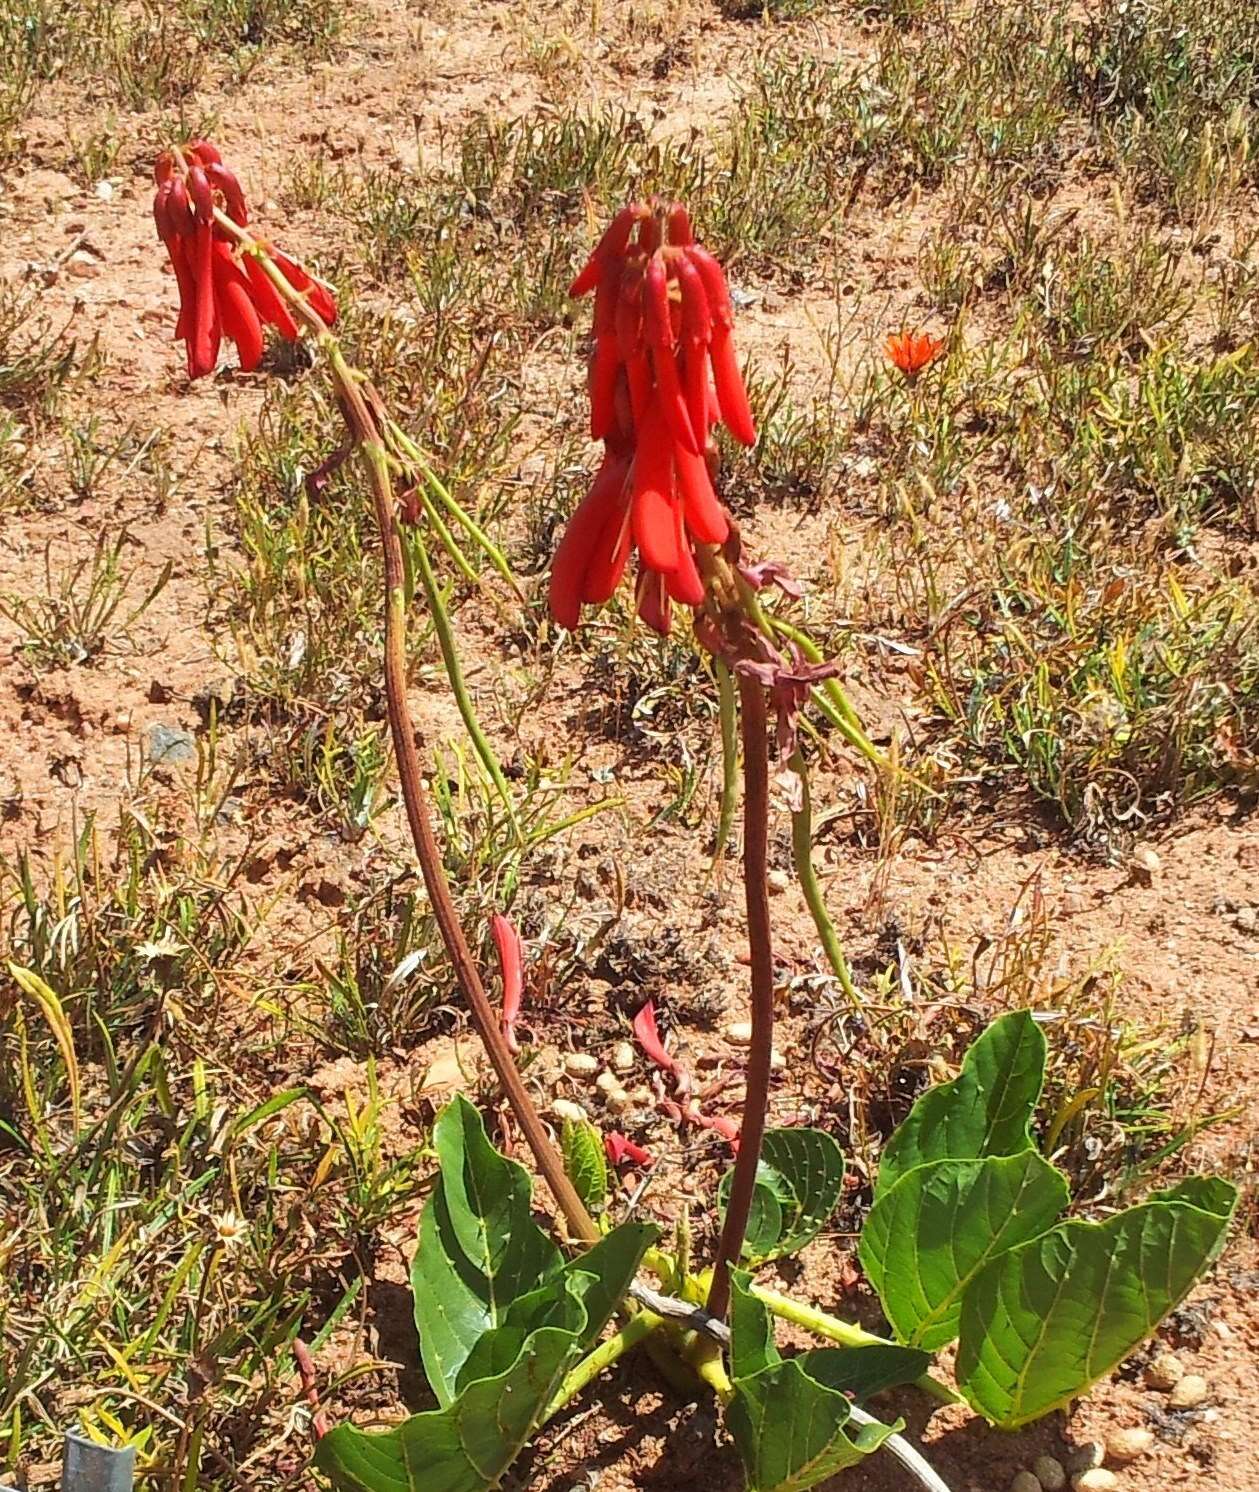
pixel 361 411
pixel 896 1445
pixel 454 672
pixel 802 851
pixel 845 1333
pixel 636 1329
pixel 756 895
pixel 729 758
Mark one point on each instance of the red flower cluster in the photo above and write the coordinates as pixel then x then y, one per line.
pixel 662 318
pixel 220 292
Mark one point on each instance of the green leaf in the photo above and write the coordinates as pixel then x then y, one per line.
pixel 464 1447
pixel 1045 1320
pixel 865 1371
pixel 479 1247
pixel 585 1163
pixel 608 1267
pixel 929 1235
pixel 789 1427
pixel 798 1182
pixel 984 1111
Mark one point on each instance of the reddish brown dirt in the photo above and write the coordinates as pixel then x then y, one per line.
pixel 71 739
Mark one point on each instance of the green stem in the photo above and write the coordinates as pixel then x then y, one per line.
pixel 461 516
pixel 802 849
pixel 846 1333
pixel 729 759
pixel 449 543
pixel 636 1329
pixel 454 672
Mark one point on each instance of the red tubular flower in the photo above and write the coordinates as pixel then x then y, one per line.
pixel 511 963
pixel 621 1149
pixel 663 372
pixel 222 290
pixel 649 1038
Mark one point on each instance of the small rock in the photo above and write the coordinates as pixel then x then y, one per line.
pixel 623 1057
pixel 777 1061
pixel 105 191
pixel 1144 864
pixel 580 1064
pixel 1086 1457
pixel 739 1033
pixel 564 1108
pixel 607 1082
pixel 1191 1391
pixel 1127 1445
pixel 83 266
pixel 1025 1481
pixel 1096 1480
pixel 167 743
pixel 1165 1371
pixel 778 880
pixel 1050 1472
pixel 617 1100
pixel 1247 919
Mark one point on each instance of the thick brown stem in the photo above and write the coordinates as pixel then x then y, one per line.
pixel 756 895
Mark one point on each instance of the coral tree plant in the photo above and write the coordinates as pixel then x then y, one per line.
pixel 965 1241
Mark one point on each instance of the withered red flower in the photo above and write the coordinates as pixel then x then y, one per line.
pixel 511 962
pixel 663 373
pixel 911 352
pixel 221 292
pixel 620 1149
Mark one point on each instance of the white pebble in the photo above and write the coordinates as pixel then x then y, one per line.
pixel 617 1100
pixel 1050 1472
pixel 564 1108
pixel 1191 1391
pixel 777 1061
pixel 623 1056
pixel 778 880
pixel 1097 1480
pixel 607 1082
pixel 580 1064
pixel 1165 1371
pixel 1024 1481
pixel 1128 1444
pixel 105 191
pixel 739 1033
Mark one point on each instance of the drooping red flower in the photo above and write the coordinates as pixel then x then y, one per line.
pixel 911 352
pixel 511 963
pixel 222 292
pixel 663 373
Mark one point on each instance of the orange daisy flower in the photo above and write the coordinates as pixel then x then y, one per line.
pixel 911 352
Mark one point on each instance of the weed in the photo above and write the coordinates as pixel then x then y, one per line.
pixel 84 609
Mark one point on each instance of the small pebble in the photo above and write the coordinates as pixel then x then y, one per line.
pixel 1086 1457
pixel 1164 1371
pixel 1024 1481
pixel 739 1033
pixel 608 1082
pixel 105 191
pixel 1128 1444
pixel 564 1108
pixel 778 880
pixel 1191 1391
pixel 617 1100
pixel 1096 1480
pixel 777 1061
pixel 623 1056
pixel 1050 1472
pixel 581 1064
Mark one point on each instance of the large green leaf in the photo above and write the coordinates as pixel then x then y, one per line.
pixel 984 1111
pixel 468 1445
pixel 798 1182
pixel 929 1235
pixel 479 1248
pixel 865 1371
pixel 1045 1320
pixel 790 1429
